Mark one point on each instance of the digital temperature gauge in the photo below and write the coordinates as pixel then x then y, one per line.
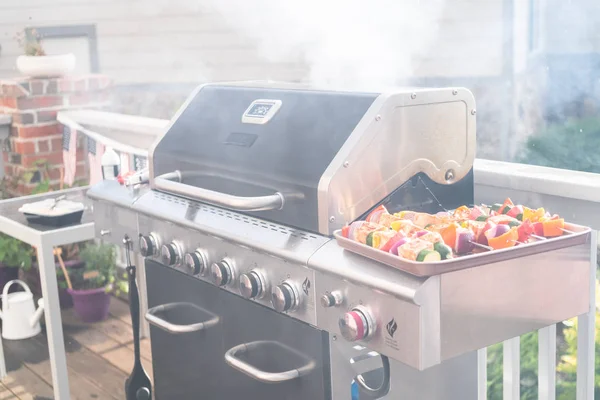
pixel 261 111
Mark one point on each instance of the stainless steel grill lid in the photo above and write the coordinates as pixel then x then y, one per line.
pixel 274 152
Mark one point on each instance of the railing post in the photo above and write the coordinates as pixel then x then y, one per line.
pixel 512 369
pixel 482 374
pixel 547 363
pixel 586 332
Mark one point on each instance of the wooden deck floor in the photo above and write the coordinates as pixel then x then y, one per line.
pixel 99 357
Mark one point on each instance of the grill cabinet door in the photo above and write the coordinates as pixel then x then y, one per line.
pixel 187 366
pixel 248 322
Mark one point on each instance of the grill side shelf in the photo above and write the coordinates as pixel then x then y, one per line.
pixel 580 235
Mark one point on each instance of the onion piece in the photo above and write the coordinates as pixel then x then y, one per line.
pixel 353 228
pixel 395 246
pixel 464 241
pixel 496 231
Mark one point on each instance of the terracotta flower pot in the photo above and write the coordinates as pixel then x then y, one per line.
pixel 91 305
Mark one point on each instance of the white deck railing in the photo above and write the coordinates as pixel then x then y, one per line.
pixel 576 196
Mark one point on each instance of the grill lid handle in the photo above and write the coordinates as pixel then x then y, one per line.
pixel 154 319
pixel 259 203
pixel 263 376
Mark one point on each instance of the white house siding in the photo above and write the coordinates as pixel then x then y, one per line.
pixel 143 41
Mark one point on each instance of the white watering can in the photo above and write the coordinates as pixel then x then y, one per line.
pixel 20 319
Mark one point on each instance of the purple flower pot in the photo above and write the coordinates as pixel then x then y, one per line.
pixel 91 305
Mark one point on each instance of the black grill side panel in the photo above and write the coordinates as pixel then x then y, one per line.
pixel 421 194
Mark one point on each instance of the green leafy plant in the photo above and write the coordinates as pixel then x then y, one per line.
pixel 31 42
pixel 529 366
pixel 5 188
pixel 14 253
pixel 43 185
pixel 99 271
pixel 572 144
pixel 42 168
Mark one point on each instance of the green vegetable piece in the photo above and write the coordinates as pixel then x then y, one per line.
pixel 520 217
pixel 444 250
pixel 428 256
pixel 370 239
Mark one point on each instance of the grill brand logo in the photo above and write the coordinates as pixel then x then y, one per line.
pixel 391 327
pixel 306 286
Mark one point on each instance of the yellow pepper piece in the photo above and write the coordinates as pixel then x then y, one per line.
pixel 533 215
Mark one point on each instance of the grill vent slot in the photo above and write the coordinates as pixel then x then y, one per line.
pixel 237 217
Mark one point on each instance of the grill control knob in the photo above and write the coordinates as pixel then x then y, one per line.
pixel 149 245
pixel 331 299
pixel 252 285
pixel 357 324
pixel 170 253
pixel 196 262
pixel 285 297
pixel 222 272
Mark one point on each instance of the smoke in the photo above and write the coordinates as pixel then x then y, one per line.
pixel 353 44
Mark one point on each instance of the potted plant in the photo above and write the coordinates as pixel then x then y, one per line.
pixel 91 285
pixel 36 63
pixel 14 254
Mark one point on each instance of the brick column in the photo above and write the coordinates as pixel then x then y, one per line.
pixel 35 133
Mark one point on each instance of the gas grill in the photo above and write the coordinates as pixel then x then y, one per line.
pixel 250 294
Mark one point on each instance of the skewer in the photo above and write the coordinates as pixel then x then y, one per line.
pixel 538 237
pixel 566 230
pixel 483 246
pixel 514 241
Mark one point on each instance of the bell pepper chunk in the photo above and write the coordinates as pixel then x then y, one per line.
pixel 345 231
pixel 509 239
pixel 533 215
pixel 398 236
pixel 525 231
pixel 553 227
pixel 538 228
pixel 449 234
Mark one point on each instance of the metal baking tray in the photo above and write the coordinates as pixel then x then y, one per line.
pixel 580 235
